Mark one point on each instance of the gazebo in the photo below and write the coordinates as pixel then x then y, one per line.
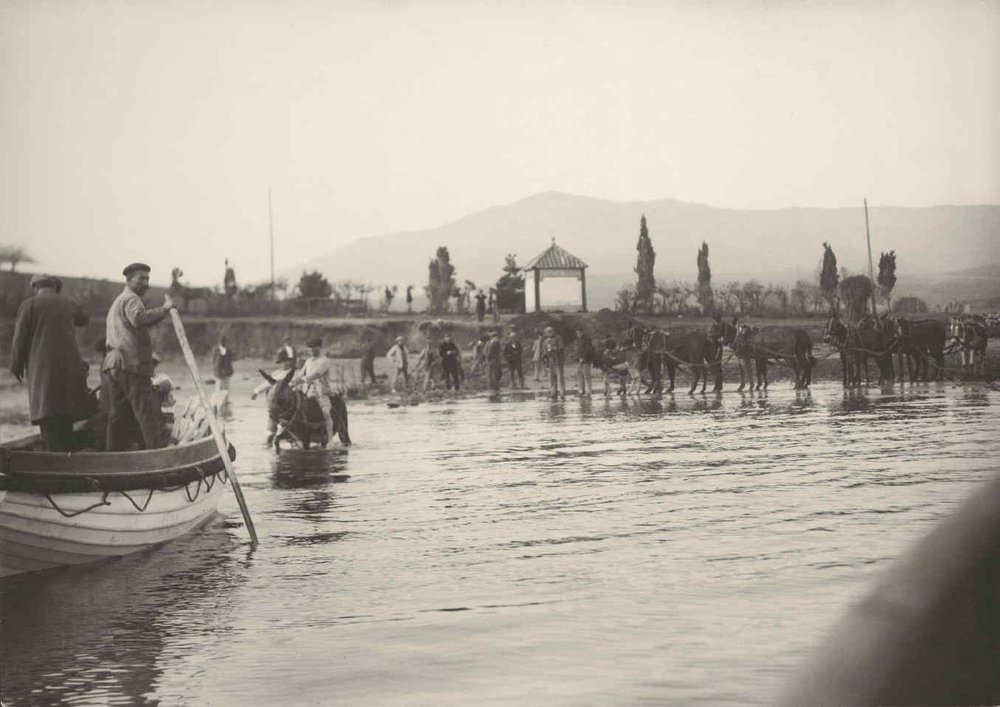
pixel 555 280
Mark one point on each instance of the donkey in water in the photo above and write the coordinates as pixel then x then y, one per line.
pixel 920 340
pixel 723 333
pixel 787 345
pixel 856 346
pixel 298 419
pixel 698 351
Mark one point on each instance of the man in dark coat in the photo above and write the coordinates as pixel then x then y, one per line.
pixel 128 365
pixel 480 306
pixel 512 353
pixel 368 362
pixel 450 362
pixel 493 353
pixel 44 349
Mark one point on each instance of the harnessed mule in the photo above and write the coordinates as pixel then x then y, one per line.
pixel 921 340
pixel 697 350
pixel 970 340
pixel 855 347
pixel 724 334
pixel 792 347
pixel 299 419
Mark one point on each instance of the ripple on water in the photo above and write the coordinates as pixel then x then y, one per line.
pixel 681 550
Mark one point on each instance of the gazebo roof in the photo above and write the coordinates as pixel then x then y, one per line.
pixel 555 258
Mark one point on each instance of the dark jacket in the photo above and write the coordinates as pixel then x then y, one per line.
pixel 449 352
pixel 585 350
pixel 492 352
pixel 512 351
pixel 44 349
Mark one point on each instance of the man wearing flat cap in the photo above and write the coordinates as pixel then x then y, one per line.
pixel 44 350
pixel 126 376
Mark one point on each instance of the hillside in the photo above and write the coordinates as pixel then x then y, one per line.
pixel 770 245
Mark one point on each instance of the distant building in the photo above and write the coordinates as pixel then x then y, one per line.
pixel 555 281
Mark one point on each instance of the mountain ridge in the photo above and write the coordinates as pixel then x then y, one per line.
pixel 779 245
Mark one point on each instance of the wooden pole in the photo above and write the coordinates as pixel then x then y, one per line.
pixel 871 270
pixel 213 422
pixel 270 230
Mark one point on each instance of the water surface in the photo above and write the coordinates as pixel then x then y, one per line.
pixel 587 551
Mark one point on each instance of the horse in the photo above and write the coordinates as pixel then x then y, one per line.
pixel 184 293
pixel 793 347
pixel 855 347
pixel 919 340
pixel 298 419
pixel 969 338
pixel 723 333
pixel 651 345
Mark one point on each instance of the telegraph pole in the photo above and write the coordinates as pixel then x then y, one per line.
pixel 270 229
pixel 871 270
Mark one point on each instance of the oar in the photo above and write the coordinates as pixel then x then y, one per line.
pixel 212 421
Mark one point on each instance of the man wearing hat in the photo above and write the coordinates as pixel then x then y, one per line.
pixel 128 365
pixel 451 359
pixel 44 350
pixel 554 356
pixel 314 376
pixel 399 358
pixel 512 353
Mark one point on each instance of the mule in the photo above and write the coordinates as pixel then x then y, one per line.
pixel 922 339
pixel 779 344
pixel 855 347
pixel 723 333
pixel 970 339
pixel 298 419
pixel 697 350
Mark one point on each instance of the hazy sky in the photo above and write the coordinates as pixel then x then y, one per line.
pixel 152 130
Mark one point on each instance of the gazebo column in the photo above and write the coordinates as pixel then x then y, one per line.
pixel 538 290
pixel 583 288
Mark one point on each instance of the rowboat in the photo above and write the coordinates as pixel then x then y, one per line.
pixel 64 509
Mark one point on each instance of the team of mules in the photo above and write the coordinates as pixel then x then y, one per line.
pixel 918 346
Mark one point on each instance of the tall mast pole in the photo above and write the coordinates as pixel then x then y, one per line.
pixel 270 229
pixel 871 270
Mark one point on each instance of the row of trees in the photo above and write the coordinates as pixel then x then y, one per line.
pixel 832 291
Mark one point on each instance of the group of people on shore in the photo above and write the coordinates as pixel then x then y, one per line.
pixel 492 356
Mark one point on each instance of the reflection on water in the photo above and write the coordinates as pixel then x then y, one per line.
pixel 674 549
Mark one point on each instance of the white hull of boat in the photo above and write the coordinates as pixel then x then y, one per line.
pixel 39 531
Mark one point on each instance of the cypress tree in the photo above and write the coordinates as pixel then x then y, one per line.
pixel 646 285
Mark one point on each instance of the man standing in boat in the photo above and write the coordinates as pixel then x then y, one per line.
pixel 44 349
pixel 128 365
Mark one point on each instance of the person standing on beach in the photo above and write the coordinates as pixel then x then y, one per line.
pixel 585 356
pixel 427 362
pixel 554 356
pixel 480 306
pixel 127 371
pixel 493 353
pixel 368 362
pixel 400 363
pixel 44 350
pixel 287 355
pixel 536 356
pixel 222 365
pixel 450 362
pixel 512 352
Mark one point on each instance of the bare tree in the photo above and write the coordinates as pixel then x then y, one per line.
pixel 14 254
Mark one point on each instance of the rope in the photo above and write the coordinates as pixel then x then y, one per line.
pixel 103 502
